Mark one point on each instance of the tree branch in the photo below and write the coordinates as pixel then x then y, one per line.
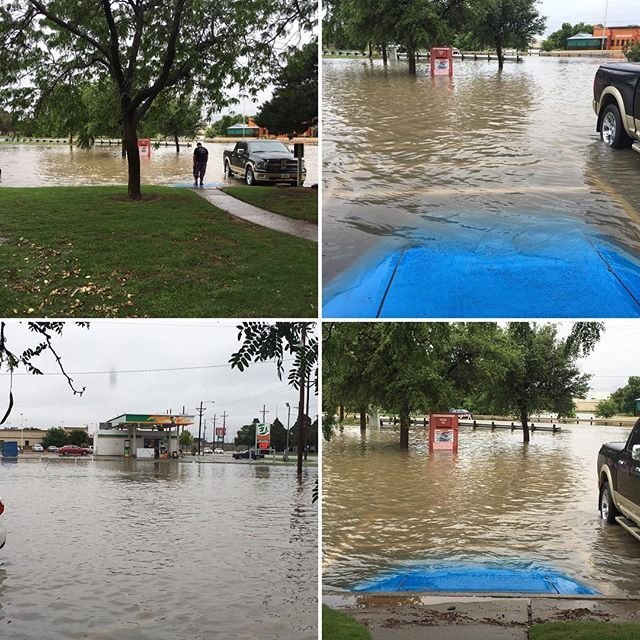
pixel 69 27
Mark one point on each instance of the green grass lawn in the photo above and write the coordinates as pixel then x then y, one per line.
pixel 300 203
pixel 90 252
pixel 584 631
pixel 337 626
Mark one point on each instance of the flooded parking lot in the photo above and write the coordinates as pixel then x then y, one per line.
pixel 495 502
pixel 484 156
pixel 32 165
pixel 157 550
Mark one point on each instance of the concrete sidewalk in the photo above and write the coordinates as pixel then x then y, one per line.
pixel 239 209
pixel 451 617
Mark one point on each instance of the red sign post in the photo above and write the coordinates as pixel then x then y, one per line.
pixel 443 432
pixel 144 146
pixel 441 61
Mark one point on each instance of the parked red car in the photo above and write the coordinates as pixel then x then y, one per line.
pixel 72 450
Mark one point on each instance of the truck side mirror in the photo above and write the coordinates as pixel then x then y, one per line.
pixel 635 452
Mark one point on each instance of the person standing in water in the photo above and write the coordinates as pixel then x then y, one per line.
pixel 200 158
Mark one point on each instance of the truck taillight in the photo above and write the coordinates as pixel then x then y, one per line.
pixel 1 507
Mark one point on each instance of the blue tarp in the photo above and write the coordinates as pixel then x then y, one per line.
pixel 566 274
pixel 475 579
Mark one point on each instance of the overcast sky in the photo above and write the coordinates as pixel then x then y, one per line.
pixel 198 350
pixel 619 13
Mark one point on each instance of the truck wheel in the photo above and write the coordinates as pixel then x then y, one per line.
pixel 612 130
pixel 249 178
pixel 608 511
pixel 227 170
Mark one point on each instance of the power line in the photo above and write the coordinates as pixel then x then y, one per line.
pixel 121 371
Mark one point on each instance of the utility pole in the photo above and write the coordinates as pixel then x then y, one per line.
pixel 224 426
pixel 201 409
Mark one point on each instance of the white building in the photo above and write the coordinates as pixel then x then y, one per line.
pixel 140 435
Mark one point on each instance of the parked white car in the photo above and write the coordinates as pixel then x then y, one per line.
pixel 3 528
pixel 207 451
pixel 37 448
pixel 218 450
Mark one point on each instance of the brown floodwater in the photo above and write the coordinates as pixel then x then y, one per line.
pixel 407 157
pixel 38 165
pixel 495 501
pixel 157 550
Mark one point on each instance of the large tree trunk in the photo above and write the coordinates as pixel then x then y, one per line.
pixel 341 413
pixel 404 429
pixel 363 418
pixel 133 156
pixel 500 54
pixel 370 51
pixel 384 55
pixel 411 57
pixel 524 419
pixel 175 137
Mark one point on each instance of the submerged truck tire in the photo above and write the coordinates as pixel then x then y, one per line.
pixel 608 511
pixel 612 130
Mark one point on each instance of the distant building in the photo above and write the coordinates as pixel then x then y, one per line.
pixel 584 42
pixel 241 130
pixel 27 437
pixel 140 435
pixel 617 38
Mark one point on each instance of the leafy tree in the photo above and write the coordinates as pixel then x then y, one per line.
pixel 12 360
pixel 625 397
pixel 606 408
pixel 294 105
pixel 219 127
pixel 278 435
pixel 186 439
pixel 409 367
pixel 144 48
pixel 632 51
pixel 263 341
pixel 247 434
pixel 56 436
pixel 178 115
pixel 508 23
pixel 539 374
pixel 558 39
pixel 80 438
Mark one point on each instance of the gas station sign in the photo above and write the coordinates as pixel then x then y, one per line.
pixel 221 432
pixel 263 435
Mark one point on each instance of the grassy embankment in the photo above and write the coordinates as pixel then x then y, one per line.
pixel 90 252
pixel 337 626
pixel 299 203
pixel 584 631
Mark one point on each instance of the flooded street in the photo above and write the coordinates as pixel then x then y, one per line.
pixel 478 157
pixel 160 550
pixel 32 165
pixel 495 501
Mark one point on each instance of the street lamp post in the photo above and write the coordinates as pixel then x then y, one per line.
pixel 286 451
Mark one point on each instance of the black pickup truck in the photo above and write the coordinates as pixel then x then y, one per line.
pixel 616 101
pixel 619 482
pixel 262 161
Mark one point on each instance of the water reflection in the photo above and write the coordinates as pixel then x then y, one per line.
pixel 496 500
pixel 31 165
pixel 158 550
pixel 498 153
